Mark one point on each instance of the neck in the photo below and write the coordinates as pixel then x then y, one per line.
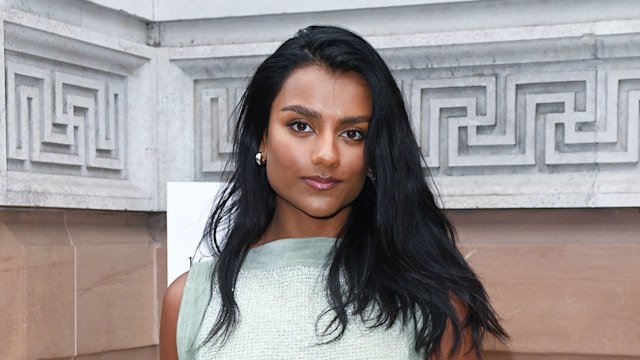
pixel 293 223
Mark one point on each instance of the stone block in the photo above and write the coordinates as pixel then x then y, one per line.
pixel 78 281
pixel 116 296
pixel 565 298
pixel 37 278
pixel 564 282
pixel 159 233
pixel 12 294
pixel 47 228
pixel 108 227
pixel 547 226
pixel 144 353
pixel 496 355
pixel 49 302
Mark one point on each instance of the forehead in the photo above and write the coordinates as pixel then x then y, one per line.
pixel 326 91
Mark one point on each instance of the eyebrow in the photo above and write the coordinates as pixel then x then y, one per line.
pixel 313 114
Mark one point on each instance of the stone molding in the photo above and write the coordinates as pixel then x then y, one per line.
pixel 79 118
pixel 546 118
pixel 532 116
pixel 174 10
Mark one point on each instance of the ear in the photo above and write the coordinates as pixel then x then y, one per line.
pixel 263 143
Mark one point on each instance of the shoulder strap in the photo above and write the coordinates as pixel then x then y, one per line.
pixel 195 299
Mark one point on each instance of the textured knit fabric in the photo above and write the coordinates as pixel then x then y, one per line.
pixel 280 294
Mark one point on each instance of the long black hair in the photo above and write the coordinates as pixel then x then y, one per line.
pixel 397 249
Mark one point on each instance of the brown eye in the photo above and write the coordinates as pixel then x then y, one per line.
pixel 353 134
pixel 301 127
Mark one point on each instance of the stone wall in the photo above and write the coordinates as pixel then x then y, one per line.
pixel 516 109
pixel 76 283
pixel 565 281
pixel 529 108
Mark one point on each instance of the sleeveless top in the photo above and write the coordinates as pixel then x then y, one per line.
pixel 280 294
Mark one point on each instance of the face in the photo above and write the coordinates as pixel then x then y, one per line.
pixel 314 144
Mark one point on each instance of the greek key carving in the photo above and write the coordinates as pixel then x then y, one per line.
pixel 216 105
pixel 548 119
pixel 56 118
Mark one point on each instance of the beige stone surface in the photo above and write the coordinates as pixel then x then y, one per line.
pixel 159 234
pixel 564 281
pixel 38 285
pixel 40 227
pixel 144 353
pixel 12 294
pixel 523 356
pixel 108 227
pixel 79 282
pixel 116 281
pixel 550 226
pixel 116 296
pixel 49 302
pixel 565 298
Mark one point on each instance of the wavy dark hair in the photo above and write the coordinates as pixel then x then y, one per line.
pixel 397 249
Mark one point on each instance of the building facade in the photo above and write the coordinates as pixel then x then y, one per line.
pixel 526 112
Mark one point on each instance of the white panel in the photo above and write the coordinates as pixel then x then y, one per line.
pixel 188 207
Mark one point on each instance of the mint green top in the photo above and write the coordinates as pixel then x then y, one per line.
pixel 280 294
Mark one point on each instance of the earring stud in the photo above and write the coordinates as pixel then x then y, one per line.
pixel 259 160
pixel 371 175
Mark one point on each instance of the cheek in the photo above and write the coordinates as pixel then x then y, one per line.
pixel 355 163
pixel 356 167
pixel 288 152
pixel 283 162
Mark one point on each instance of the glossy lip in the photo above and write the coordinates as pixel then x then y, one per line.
pixel 321 183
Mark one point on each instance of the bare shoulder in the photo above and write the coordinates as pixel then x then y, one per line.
pixel 173 295
pixel 169 320
pixel 467 350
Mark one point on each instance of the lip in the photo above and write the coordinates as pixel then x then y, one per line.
pixel 321 183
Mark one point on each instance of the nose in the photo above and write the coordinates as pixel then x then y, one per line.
pixel 325 151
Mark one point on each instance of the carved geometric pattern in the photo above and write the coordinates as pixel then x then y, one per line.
pixel 56 118
pixel 430 101
pixel 524 119
pixel 216 129
pixel 622 117
pixel 550 98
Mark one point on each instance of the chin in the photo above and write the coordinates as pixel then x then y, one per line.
pixel 323 213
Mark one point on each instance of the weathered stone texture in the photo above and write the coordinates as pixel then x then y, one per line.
pixel 79 129
pixel 564 281
pixel 76 283
pixel 509 111
pixel 145 353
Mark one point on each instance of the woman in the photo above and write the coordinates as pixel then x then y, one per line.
pixel 334 247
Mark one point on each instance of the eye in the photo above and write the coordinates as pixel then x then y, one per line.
pixel 353 134
pixel 299 126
